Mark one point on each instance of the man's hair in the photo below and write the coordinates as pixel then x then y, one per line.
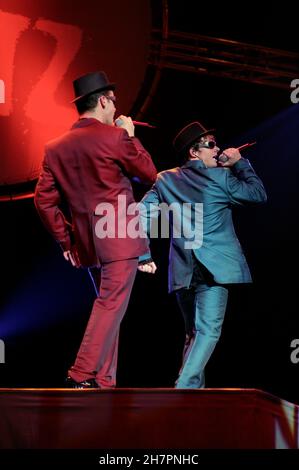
pixel 184 156
pixel 88 103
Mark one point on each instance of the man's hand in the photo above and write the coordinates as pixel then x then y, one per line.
pixel 233 156
pixel 127 124
pixel 148 268
pixel 72 257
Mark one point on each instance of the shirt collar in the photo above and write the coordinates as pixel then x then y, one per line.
pixel 194 164
pixel 83 122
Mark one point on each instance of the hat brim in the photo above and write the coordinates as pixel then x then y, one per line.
pixel 110 86
pixel 202 134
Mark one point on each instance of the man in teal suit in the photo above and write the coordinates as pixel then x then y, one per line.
pixel 205 254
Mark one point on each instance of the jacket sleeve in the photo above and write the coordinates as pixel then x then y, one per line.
pixel 243 185
pixel 149 212
pixel 135 159
pixel 47 200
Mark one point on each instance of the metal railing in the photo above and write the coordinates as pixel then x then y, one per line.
pixel 223 58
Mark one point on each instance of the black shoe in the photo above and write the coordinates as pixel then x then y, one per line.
pixel 89 383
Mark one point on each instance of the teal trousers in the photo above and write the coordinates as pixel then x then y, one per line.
pixel 203 309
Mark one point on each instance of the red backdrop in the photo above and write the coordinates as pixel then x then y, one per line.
pixel 43 47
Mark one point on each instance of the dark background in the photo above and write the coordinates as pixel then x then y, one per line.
pixel 45 304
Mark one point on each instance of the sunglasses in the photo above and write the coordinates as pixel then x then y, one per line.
pixel 111 98
pixel 210 144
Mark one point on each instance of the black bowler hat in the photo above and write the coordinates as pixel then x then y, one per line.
pixel 91 83
pixel 189 135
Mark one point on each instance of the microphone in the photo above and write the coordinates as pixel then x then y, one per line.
pixel 223 158
pixel 118 122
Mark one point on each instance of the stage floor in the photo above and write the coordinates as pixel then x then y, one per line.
pixel 146 419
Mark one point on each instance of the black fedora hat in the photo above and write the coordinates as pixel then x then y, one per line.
pixel 91 83
pixel 189 135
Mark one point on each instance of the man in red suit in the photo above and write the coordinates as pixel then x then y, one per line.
pixel 90 167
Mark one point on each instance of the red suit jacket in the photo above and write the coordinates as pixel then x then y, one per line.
pixel 89 165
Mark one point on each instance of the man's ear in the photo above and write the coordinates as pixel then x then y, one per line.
pixel 102 101
pixel 192 152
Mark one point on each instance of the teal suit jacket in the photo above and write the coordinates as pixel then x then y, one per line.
pixel 218 190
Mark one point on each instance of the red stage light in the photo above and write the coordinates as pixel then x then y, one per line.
pixel 43 47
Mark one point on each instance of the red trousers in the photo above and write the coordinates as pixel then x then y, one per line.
pixel 97 356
